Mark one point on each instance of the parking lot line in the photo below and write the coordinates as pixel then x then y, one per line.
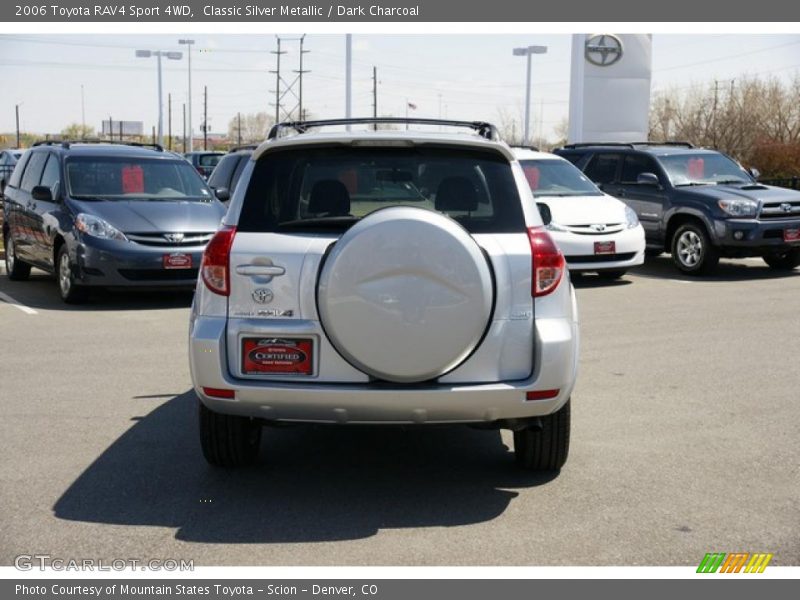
pixel 15 303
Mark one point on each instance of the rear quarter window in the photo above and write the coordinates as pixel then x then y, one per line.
pixel 331 187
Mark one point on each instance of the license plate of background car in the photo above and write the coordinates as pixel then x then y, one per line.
pixel 791 235
pixel 177 260
pixel 265 355
pixel 605 248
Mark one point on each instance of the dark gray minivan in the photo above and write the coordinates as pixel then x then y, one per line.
pixel 108 215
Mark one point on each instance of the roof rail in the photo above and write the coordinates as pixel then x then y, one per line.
pixel 67 143
pixel 521 147
pixel 482 128
pixel 626 144
pixel 243 147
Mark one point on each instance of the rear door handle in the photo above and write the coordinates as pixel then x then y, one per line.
pixel 260 270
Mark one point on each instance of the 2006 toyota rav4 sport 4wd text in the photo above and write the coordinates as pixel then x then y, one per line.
pixel 384 277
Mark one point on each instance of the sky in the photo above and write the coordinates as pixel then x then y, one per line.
pixel 473 77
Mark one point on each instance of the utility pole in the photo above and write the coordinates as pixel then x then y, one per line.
pixel 300 73
pixel 205 117
pixel 239 129
pixel 83 113
pixel 277 72
pixel 169 121
pixel 17 112
pixel 375 96
pixel 154 135
pixel 184 128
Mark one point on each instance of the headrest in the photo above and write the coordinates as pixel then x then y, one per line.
pixel 456 194
pixel 330 197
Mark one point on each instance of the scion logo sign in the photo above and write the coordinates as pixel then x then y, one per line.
pixel 603 49
pixel 270 355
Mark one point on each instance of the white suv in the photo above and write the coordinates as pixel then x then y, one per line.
pixel 384 277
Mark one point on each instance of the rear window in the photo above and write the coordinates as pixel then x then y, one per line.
pixel 333 187
pixel 133 178
pixel 209 160
pixel 221 177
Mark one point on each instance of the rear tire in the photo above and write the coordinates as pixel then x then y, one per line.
pixel 228 440
pixel 612 275
pixel 544 449
pixel 71 292
pixel 692 250
pixel 15 269
pixel 785 261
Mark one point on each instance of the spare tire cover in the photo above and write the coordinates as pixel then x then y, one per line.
pixel 405 295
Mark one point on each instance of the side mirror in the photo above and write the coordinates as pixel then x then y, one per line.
pixel 545 213
pixel 648 179
pixel 222 194
pixel 42 193
pixel 754 173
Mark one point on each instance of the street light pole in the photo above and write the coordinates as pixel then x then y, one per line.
pixel 161 103
pixel 189 43
pixel 527 52
pixel 158 54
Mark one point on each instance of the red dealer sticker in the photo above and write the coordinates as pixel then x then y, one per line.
pixel 791 235
pixel 270 355
pixel 177 260
pixel 605 248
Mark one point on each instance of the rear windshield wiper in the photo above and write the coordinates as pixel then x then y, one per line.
pixel 319 222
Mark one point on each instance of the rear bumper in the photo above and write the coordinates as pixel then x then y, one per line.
pixel 111 263
pixel 556 368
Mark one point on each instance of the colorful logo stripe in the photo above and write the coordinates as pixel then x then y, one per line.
pixel 734 562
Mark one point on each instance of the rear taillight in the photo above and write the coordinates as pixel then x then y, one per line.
pixel 548 262
pixel 215 270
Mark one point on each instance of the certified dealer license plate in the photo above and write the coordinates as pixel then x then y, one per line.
pixel 277 355
pixel 177 260
pixel 605 248
pixel 791 235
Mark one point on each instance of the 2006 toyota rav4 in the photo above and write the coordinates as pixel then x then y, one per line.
pixel 384 277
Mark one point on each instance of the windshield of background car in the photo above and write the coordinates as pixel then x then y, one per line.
pixel 702 168
pixel 557 178
pixel 133 178
pixel 331 187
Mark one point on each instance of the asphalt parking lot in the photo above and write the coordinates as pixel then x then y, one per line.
pixel 686 423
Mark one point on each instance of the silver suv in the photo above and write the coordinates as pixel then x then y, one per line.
pixel 384 277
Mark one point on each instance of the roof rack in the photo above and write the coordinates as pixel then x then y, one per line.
pixel 243 147
pixel 626 144
pixel 67 143
pixel 482 128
